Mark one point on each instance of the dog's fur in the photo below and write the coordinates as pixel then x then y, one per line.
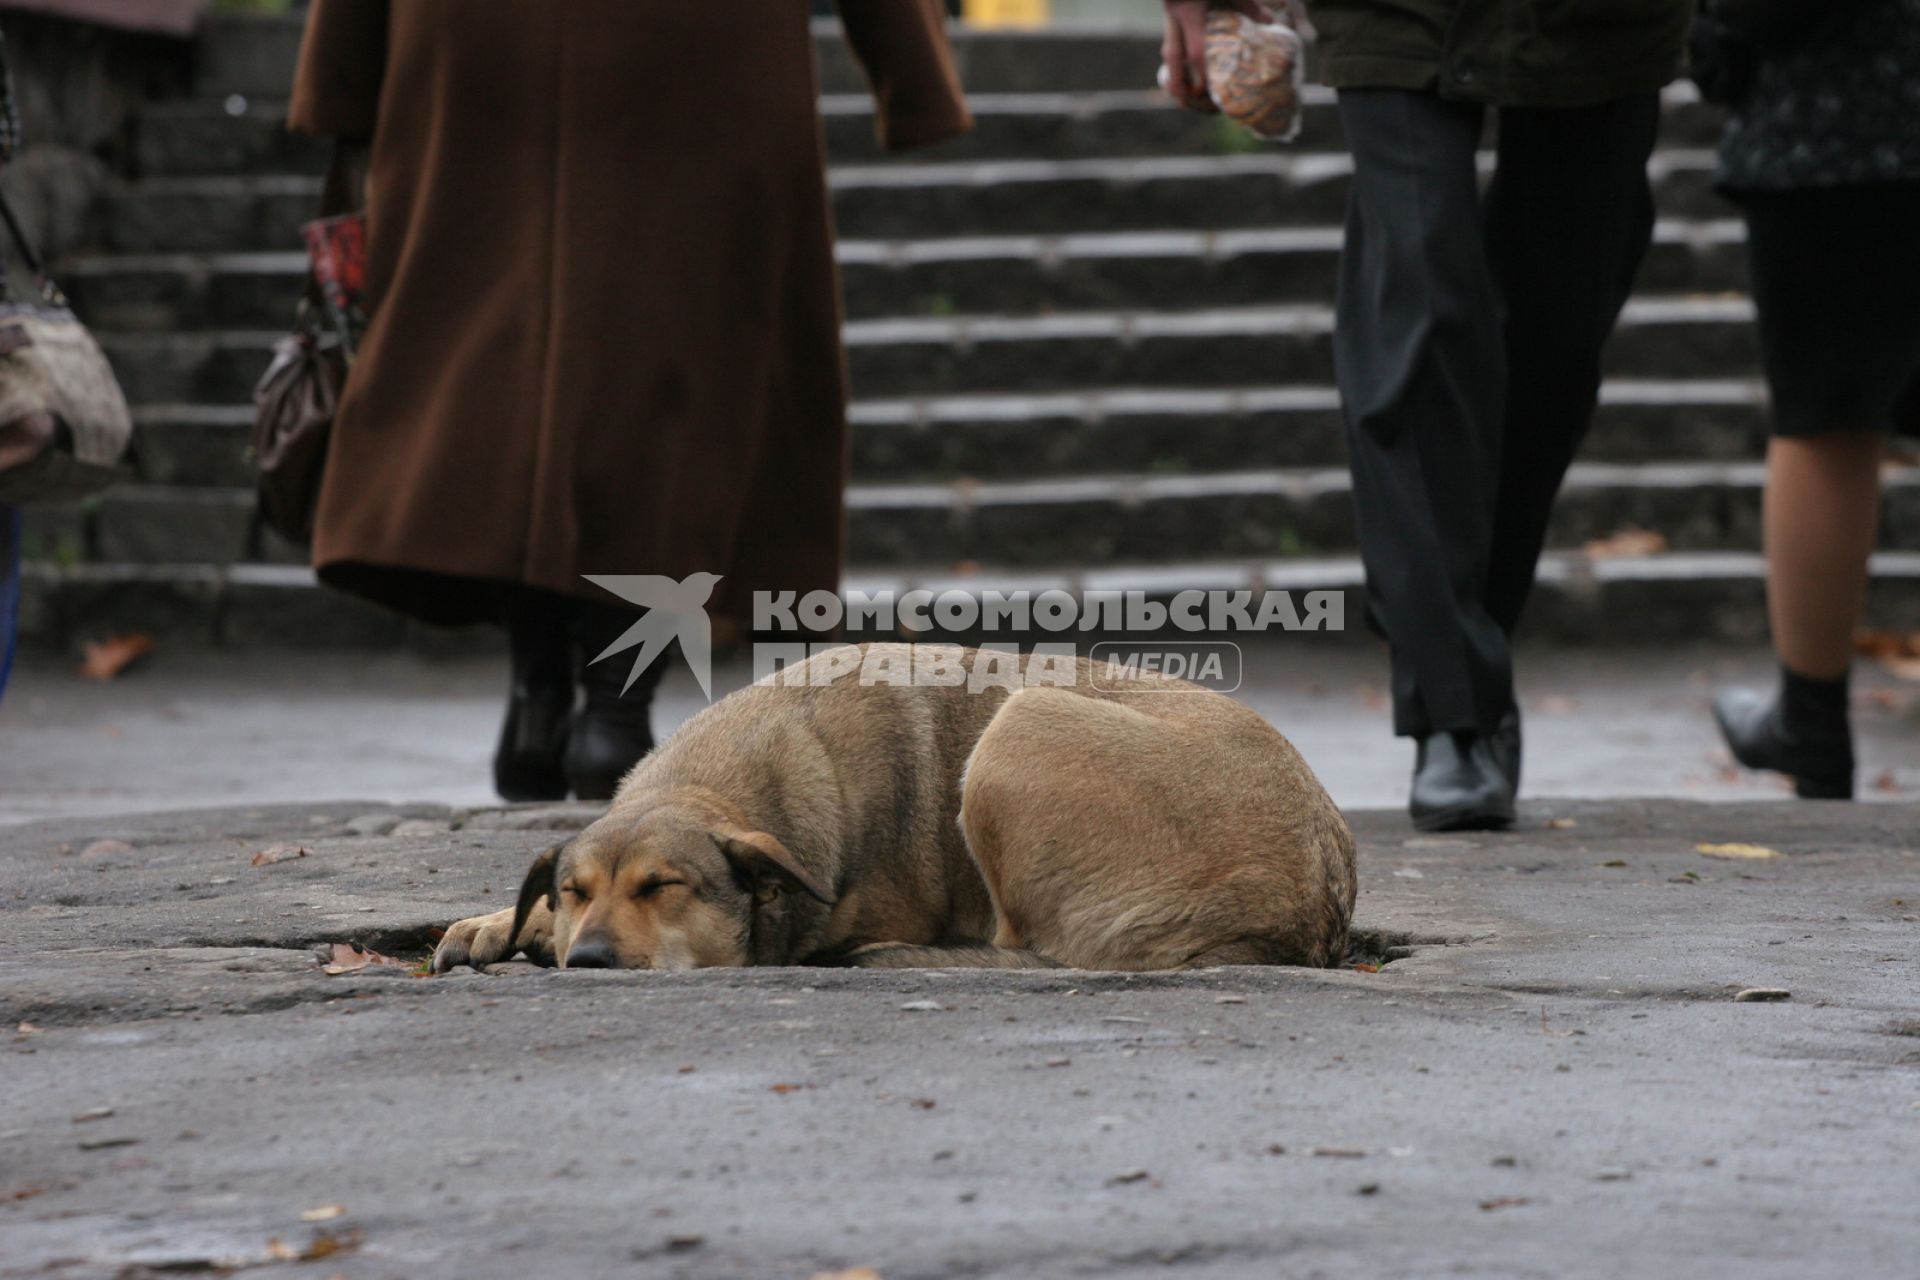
pixel 1134 823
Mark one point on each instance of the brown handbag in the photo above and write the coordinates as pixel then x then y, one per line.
pixel 297 397
pixel 64 423
pixel 294 406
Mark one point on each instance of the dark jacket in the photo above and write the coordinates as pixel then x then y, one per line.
pixel 1520 53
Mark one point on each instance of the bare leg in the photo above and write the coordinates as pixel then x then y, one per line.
pixel 1822 514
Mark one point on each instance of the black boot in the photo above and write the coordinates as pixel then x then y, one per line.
pixel 1802 731
pixel 612 730
pixel 1506 746
pixel 527 765
pixel 1458 785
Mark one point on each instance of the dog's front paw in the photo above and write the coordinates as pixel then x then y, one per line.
pixel 479 940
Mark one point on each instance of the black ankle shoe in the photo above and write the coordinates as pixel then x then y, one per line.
pixel 613 730
pixel 1819 758
pixel 533 740
pixel 527 765
pixel 1506 747
pixel 1458 785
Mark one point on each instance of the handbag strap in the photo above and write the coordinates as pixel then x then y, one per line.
pixel 48 290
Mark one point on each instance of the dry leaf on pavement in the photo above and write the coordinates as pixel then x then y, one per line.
pixel 1630 541
pixel 854 1273
pixel 323 1245
pixel 107 658
pixel 323 1213
pixel 277 853
pixel 349 957
pixel 1737 851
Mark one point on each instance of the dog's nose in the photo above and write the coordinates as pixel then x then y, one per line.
pixel 592 954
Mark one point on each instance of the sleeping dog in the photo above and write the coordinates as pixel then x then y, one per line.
pixel 898 805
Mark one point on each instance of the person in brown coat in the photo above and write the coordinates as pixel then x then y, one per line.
pixel 605 333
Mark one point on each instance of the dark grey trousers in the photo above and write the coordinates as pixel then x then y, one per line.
pixel 1467 349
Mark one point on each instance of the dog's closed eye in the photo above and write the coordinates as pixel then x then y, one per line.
pixel 573 890
pixel 653 885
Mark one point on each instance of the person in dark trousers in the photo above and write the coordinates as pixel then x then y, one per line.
pixel 605 325
pixel 1469 325
pixel 1822 153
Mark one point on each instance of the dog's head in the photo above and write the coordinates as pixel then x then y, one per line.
pixel 670 888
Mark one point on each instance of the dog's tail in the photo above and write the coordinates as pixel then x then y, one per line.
pixel 965 955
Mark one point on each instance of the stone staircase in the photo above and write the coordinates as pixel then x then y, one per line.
pixel 1090 347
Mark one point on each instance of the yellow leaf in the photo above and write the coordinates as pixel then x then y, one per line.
pixel 323 1213
pixel 1736 851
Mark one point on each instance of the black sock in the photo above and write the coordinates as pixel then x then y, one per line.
pixel 1805 700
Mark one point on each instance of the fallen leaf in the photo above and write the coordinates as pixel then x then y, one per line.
pixel 1367 1189
pixel 925 1104
pixel 1630 541
pixel 1367 968
pixel 1505 1202
pixel 1749 852
pixel 1561 824
pixel 784 1089
pixel 686 1241
pixel 323 1245
pixel 324 1213
pixel 277 853
pixel 107 658
pixel 856 1273
pixel 1059 1062
pixel 1754 995
pixel 1276 1149
pixel 1130 1176
pixel 1881 643
pixel 348 957
pixel 923 1006
pixel 26 1029
pixel 91 1114
pixel 1614 862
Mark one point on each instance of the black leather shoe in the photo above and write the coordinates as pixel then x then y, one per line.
pixel 1458 785
pixel 1818 758
pixel 612 730
pixel 527 763
pixel 1505 744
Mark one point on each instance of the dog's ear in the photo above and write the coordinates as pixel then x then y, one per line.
pixel 538 884
pixel 763 862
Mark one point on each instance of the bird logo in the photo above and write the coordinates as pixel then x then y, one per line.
pixel 675 610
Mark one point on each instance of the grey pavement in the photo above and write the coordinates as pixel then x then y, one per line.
pixel 194 729
pixel 1551 1075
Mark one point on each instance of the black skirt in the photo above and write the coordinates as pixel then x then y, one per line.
pixel 1836 282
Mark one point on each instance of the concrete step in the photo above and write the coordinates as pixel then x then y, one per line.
pixel 1096 519
pixel 1671 598
pixel 255 55
pixel 1153 431
pixel 236 134
pixel 236 213
pixel 1658 338
pixel 976 275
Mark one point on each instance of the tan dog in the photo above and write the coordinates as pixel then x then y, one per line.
pixel 1086 818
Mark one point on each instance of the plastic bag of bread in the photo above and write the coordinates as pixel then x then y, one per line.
pixel 1256 71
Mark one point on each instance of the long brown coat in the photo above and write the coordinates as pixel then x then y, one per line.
pixel 606 318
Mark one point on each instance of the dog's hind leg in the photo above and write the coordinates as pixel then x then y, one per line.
pixel 963 955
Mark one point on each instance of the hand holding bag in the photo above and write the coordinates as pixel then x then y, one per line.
pixel 64 423
pixel 299 394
